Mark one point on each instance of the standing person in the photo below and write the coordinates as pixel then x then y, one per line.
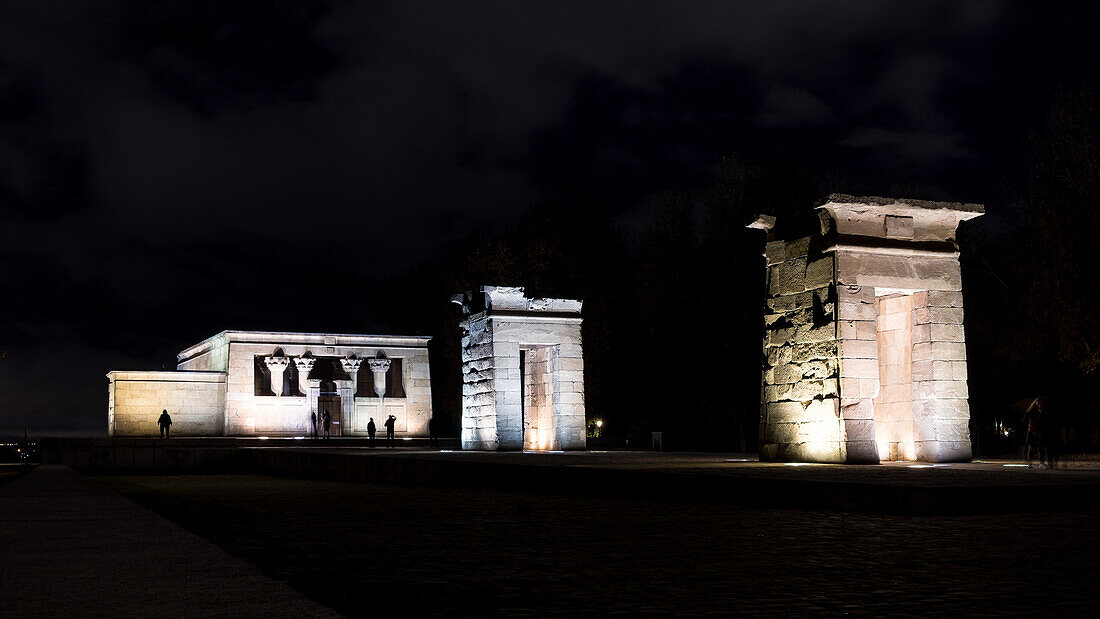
pixel 165 423
pixel 326 419
pixel 313 423
pixel 1033 425
pixel 431 432
pixel 371 431
pixel 389 430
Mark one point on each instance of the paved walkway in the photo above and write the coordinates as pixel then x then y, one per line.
pixel 70 547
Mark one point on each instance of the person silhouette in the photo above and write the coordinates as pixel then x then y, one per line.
pixel 432 442
pixel 313 423
pixel 1033 425
pixel 371 431
pixel 326 419
pixel 165 423
pixel 389 430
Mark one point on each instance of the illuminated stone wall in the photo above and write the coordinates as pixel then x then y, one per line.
pixel 502 408
pixel 195 400
pixel 864 354
pixel 238 410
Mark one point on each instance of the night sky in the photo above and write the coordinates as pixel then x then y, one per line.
pixel 172 169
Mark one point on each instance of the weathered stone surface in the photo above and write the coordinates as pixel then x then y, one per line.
pixel 870 370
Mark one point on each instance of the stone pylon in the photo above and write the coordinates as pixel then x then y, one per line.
pixel 864 354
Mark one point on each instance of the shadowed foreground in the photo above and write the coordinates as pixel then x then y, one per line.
pixel 364 548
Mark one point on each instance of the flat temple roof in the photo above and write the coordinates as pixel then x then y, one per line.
pixel 294 337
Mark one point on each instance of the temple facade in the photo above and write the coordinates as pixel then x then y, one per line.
pixel 259 383
pixel 864 349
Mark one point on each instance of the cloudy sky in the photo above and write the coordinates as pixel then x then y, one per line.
pixel 172 169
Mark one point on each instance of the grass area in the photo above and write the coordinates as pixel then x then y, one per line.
pixel 366 549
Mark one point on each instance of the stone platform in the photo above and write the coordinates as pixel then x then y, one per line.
pixel 73 548
pixel 903 488
pixel 735 479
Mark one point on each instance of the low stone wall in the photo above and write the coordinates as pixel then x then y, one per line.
pixel 195 401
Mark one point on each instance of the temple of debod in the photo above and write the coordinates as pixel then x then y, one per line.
pixel 864 356
pixel 864 351
pixel 259 383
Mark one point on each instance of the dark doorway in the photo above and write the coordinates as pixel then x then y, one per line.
pixel 331 403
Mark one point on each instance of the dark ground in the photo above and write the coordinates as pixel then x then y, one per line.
pixel 364 549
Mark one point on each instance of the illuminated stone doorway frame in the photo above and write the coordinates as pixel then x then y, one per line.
pixel 821 374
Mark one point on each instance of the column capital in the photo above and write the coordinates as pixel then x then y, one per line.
pixel 379 365
pixel 277 363
pixel 351 365
pixel 305 364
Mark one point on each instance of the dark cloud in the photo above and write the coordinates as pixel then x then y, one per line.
pixel 170 169
pixel 226 55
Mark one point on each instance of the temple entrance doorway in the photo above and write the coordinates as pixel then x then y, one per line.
pixel 895 432
pixel 330 402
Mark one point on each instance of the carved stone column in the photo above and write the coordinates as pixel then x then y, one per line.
pixel 277 365
pixel 305 365
pixel 347 392
pixel 379 367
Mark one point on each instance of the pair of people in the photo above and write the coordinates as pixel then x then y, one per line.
pixel 373 429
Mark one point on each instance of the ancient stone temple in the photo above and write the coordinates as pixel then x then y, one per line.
pixel 522 372
pixel 864 351
pixel 253 383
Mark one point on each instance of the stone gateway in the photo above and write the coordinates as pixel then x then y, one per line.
pixel 864 355
pixel 258 383
pixel 522 372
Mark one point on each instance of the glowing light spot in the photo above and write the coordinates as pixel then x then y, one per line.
pixel 262 438
pixel 797 463
pixel 1016 465
pixel 298 438
pixel 738 460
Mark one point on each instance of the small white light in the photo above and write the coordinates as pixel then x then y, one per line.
pixel 262 438
pixel 920 466
pixel 1015 465
pixel 446 451
pixel 796 464
pixel 738 460
pixel 299 438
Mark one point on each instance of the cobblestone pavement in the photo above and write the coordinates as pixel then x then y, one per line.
pixel 364 549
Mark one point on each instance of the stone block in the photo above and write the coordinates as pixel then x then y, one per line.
pixel 922 352
pixel 798 248
pixel 856 311
pixel 778 337
pixel 780 412
pixel 948 351
pixel 808 334
pixel 859 368
pixel 935 389
pixel 789 373
pixel 947 333
pixel 945 315
pixel 858 349
pixel 859 430
pixel 780 355
pixel 857 408
pixel 858 330
pixel 945 298
pixel 814 350
pixel 788 278
pixel 850 292
pixel 819 272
